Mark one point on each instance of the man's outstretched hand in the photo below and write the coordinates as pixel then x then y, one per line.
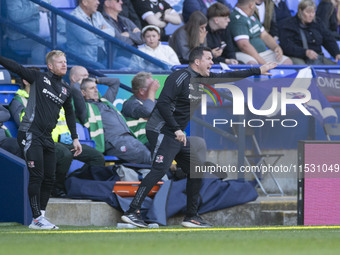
pixel 266 67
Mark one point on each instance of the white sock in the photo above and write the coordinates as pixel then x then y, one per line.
pixel 42 213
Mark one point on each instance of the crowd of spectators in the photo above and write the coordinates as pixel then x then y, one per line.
pixel 251 32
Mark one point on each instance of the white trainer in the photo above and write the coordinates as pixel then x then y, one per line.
pixel 42 223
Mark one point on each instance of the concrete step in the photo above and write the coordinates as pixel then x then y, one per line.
pixel 81 213
pixel 263 211
pixel 279 217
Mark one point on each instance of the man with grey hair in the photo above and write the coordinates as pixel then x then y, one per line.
pixel 106 124
pixel 142 102
pixel 82 42
pixel 125 29
pixel 137 109
pixel 251 39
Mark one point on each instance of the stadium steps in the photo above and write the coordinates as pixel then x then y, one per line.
pixel 279 217
pixel 263 211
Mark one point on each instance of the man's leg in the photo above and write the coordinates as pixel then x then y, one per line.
pixel 64 159
pixel 33 154
pixel 10 144
pixel 187 159
pixel 49 172
pixel 89 155
pixel 165 151
pixel 128 148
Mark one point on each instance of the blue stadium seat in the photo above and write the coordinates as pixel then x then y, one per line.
pixel 76 164
pixel 232 2
pixel 83 135
pixel 65 5
pixel 7 92
pixel 84 138
pixel 171 28
pixel 5 77
pixel 12 127
pixel 276 73
pixel 292 5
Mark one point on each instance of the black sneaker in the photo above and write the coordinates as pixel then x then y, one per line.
pixel 195 222
pixel 134 219
pixel 58 193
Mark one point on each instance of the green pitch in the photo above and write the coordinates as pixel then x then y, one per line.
pixel 17 239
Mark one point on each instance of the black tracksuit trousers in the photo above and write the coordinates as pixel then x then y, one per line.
pixel 40 158
pixel 165 149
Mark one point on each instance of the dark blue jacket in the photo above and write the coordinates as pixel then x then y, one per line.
pixel 327 14
pixel 317 35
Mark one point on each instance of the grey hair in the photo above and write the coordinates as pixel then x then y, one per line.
pixel 85 81
pixel 139 81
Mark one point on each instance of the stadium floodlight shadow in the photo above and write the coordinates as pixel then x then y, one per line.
pixel 257 158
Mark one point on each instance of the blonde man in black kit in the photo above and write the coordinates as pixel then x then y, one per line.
pixel 47 95
pixel 165 132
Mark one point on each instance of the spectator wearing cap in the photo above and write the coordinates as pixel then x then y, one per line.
pixel 154 48
pixel 125 29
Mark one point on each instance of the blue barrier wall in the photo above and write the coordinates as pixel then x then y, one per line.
pixel 14 203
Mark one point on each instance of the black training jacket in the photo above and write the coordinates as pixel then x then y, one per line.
pixel 180 95
pixel 48 94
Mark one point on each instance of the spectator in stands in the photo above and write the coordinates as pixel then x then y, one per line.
pixel 265 13
pixel 219 37
pixel 190 6
pixel 252 39
pixel 329 13
pixel 282 12
pixel 62 139
pixel 158 13
pixel 48 94
pixel 26 15
pixel 154 47
pixel 130 13
pixel 302 37
pixel 106 124
pixel 189 36
pixel 84 43
pixel 7 142
pixel 125 29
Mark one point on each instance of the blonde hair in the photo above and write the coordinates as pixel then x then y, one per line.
pixel 304 4
pixel 52 54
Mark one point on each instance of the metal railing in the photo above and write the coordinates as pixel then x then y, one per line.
pixel 112 42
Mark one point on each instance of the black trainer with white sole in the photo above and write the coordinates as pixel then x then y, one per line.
pixel 195 222
pixel 134 219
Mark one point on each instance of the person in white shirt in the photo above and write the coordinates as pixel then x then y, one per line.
pixel 154 48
